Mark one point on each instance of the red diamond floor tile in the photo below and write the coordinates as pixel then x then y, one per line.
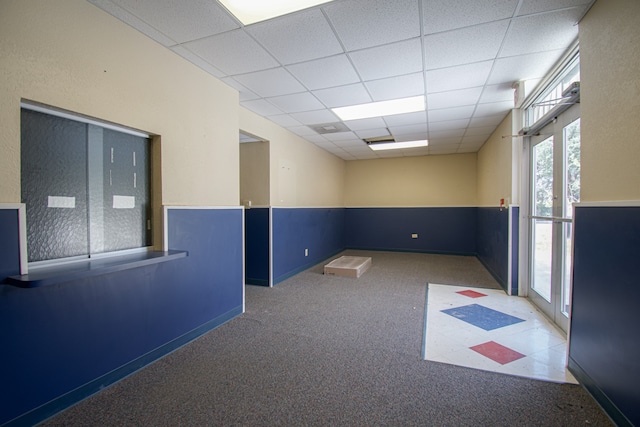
pixel 497 352
pixel 471 294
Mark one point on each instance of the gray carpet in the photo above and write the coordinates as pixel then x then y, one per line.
pixel 326 350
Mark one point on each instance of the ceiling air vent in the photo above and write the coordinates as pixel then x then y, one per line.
pixel 330 128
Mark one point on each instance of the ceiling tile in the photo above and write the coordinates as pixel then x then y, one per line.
pixel 372 133
pixel 411 130
pixel 464 46
pixel 297 37
pixel 525 67
pixel 448 125
pixel 342 96
pixel 319 140
pixel 543 32
pixel 363 124
pixel 296 102
pixel 284 120
pixel 245 94
pixel 315 117
pixel 435 142
pixel 132 20
pixel 455 113
pixel 196 60
pixel 326 72
pixel 451 133
pixel 447 15
pixel 341 136
pixel 493 108
pixel 262 107
pixel 302 130
pixel 418 118
pixel 365 23
pixel 484 130
pixel 396 87
pixel 487 120
pixel 229 52
pixel 389 60
pixel 460 77
pixel 182 21
pixel 454 98
pixel 496 93
pixel 535 6
pixel 274 82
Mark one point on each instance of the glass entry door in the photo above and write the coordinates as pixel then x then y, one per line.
pixel 555 186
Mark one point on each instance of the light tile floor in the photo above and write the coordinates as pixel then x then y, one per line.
pixel 449 339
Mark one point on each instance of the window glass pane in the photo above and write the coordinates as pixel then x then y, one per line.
pixel 543 178
pixel 126 191
pixel 54 185
pixel 572 169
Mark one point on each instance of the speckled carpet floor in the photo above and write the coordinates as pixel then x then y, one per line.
pixel 322 350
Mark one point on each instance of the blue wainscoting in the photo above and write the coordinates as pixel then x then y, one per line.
pixel 256 240
pixel 493 242
pixel 448 230
pixel 604 348
pixel 10 243
pixel 64 342
pixel 320 230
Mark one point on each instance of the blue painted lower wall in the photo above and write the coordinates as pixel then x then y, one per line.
pixel 440 230
pixel 320 230
pixel 493 242
pixel 63 342
pixel 256 239
pixel 604 348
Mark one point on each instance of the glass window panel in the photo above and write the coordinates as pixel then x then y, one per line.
pixel 543 178
pixel 542 255
pixel 572 166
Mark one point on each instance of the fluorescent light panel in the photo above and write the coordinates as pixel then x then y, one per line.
pixel 252 11
pixel 381 108
pixel 397 145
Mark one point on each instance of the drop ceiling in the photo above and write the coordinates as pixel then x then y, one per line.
pixel 462 55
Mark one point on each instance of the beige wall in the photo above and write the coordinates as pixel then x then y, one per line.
pixel 254 173
pixel 495 162
pixel 301 173
pixel 71 55
pixel 448 180
pixel 610 101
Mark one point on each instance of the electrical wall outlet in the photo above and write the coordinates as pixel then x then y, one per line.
pixel 414 235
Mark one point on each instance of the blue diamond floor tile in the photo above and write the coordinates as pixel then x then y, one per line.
pixel 482 317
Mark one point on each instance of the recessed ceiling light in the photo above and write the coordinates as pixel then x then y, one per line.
pixel 252 11
pixel 381 108
pixel 397 145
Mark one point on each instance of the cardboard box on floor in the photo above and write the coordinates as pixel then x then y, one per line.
pixel 348 266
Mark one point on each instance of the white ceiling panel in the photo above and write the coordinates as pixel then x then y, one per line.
pixel 455 113
pixel 297 37
pixel 134 21
pixel 493 108
pixel 462 55
pixel 523 67
pixel 536 6
pixel 450 14
pixel 296 102
pixel 365 23
pixel 418 118
pixel 389 60
pixel 196 60
pixel 460 77
pixel 550 30
pixel 229 52
pixel 274 82
pixel 342 96
pixel 261 107
pixel 325 72
pixel 396 87
pixel 454 98
pixel 315 117
pixel 364 124
pixel 465 45
pixel 179 21
pixel 284 120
